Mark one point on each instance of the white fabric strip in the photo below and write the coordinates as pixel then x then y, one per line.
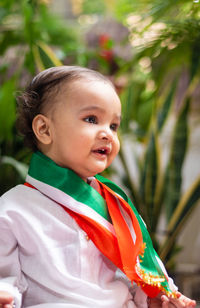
pixel 172 286
pixel 69 202
pixel 128 221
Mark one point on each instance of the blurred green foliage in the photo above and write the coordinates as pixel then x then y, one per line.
pixel 166 37
pixel 27 28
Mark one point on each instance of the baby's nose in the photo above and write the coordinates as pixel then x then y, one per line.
pixel 106 134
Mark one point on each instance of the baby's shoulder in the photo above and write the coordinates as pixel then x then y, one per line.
pixel 12 193
pixel 16 196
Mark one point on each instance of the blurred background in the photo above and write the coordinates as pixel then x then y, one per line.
pixel 151 52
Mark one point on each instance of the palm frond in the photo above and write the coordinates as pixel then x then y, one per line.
pixel 44 56
pixel 177 155
pixel 184 208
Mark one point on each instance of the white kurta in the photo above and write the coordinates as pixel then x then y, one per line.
pixel 46 260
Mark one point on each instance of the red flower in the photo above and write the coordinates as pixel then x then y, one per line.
pixel 105 44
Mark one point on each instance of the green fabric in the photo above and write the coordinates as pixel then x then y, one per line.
pixel 46 170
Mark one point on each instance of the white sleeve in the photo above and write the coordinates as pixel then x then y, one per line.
pixel 139 297
pixel 11 278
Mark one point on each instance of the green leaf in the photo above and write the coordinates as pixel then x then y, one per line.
pixel 183 210
pixel 160 8
pixel 44 56
pixel 176 159
pixel 195 60
pixel 7 107
pixel 188 200
pixel 128 179
pixel 127 107
pixel 7 4
pixel 149 179
pixel 21 168
pixel 164 111
pixel 134 107
pixel 8 38
pixel 93 7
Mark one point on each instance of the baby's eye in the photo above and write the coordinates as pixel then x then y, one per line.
pixel 114 126
pixel 91 119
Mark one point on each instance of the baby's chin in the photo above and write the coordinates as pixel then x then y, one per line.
pixel 97 171
pixel 92 174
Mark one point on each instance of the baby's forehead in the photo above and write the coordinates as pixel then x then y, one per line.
pixel 81 86
pixel 82 91
pixel 91 94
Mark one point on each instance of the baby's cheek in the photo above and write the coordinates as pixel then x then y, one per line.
pixel 117 146
pixel 113 155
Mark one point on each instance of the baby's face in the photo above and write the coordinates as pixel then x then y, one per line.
pixel 84 128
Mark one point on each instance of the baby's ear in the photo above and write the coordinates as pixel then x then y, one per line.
pixel 41 128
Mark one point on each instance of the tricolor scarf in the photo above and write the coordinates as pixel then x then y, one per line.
pixel 109 219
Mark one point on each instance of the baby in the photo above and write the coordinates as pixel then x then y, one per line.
pixel 68 237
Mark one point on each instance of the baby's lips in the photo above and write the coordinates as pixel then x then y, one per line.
pixel 102 150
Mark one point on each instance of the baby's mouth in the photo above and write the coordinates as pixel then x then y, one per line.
pixel 102 151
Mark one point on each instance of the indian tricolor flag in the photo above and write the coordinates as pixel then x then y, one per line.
pixel 109 219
